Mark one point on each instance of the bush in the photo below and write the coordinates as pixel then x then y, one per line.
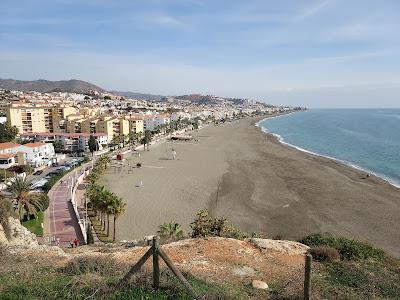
pixel 204 226
pixel 324 254
pixel 231 231
pixel 348 248
pixel 21 169
pixel 170 231
pixel 52 181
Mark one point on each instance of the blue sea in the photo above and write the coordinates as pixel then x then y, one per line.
pixel 368 139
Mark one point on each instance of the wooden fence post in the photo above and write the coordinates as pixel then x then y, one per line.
pixel 307 277
pixel 136 267
pixel 156 265
pixel 177 273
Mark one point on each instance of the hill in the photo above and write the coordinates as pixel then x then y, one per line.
pixel 45 86
pixel 216 267
pixel 140 96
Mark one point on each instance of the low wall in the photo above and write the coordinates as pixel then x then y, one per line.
pixel 81 221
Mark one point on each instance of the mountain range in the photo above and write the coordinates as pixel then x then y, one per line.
pixel 46 86
pixel 71 86
pixel 138 95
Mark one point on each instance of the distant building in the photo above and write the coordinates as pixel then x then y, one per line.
pixel 151 122
pixel 136 124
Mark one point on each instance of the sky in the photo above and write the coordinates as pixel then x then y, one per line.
pixel 313 53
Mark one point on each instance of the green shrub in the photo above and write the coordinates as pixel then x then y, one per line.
pixel 170 231
pixel 231 231
pixel 324 254
pixel 204 225
pixel 348 248
pixel 347 274
pixel 52 181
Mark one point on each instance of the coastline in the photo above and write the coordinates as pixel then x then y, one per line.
pixel 259 184
pixel 344 162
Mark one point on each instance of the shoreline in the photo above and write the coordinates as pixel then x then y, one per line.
pixel 343 162
pixel 260 185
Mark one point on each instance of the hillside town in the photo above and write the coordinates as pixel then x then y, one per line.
pixel 63 122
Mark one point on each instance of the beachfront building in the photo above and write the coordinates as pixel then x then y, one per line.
pixel 74 123
pixel 151 122
pixel 136 123
pixel 113 127
pixel 9 155
pixel 180 115
pixel 60 114
pixel 71 142
pixel 35 154
pixel 38 117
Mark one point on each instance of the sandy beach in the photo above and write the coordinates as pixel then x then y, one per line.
pixel 260 185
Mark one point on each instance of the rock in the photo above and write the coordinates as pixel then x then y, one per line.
pixel 22 240
pixel 258 284
pixel 287 247
pixel 244 271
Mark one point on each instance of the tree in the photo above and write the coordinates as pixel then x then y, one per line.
pixel 93 146
pixel 58 146
pixel 7 132
pixel 27 204
pixel 147 139
pixel 119 208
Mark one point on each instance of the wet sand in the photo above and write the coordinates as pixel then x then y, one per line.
pixel 260 185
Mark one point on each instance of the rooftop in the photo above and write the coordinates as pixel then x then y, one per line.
pixel 8 145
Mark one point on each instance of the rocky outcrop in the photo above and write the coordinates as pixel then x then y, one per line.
pixel 19 239
pixel 287 247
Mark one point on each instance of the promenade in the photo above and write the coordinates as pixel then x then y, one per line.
pixel 61 224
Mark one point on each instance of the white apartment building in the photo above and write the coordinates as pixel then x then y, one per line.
pixel 180 115
pixel 151 122
pixel 34 154
pixel 71 142
pixel 37 154
pixel 8 155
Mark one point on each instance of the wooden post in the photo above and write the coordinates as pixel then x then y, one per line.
pixel 156 265
pixel 307 277
pixel 136 267
pixel 177 273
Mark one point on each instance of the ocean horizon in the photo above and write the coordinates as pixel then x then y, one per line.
pixel 365 139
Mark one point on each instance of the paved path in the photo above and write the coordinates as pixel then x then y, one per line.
pixel 61 222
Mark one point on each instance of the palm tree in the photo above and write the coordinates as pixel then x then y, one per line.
pixel 20 187
pixel 97 195
pixel 147 139
pixel 119 208
pixel 30 205
pixel 170 230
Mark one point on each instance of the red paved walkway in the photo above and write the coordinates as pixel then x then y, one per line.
pixel 61 223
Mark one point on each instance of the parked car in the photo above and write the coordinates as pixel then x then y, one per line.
pixel 38 172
